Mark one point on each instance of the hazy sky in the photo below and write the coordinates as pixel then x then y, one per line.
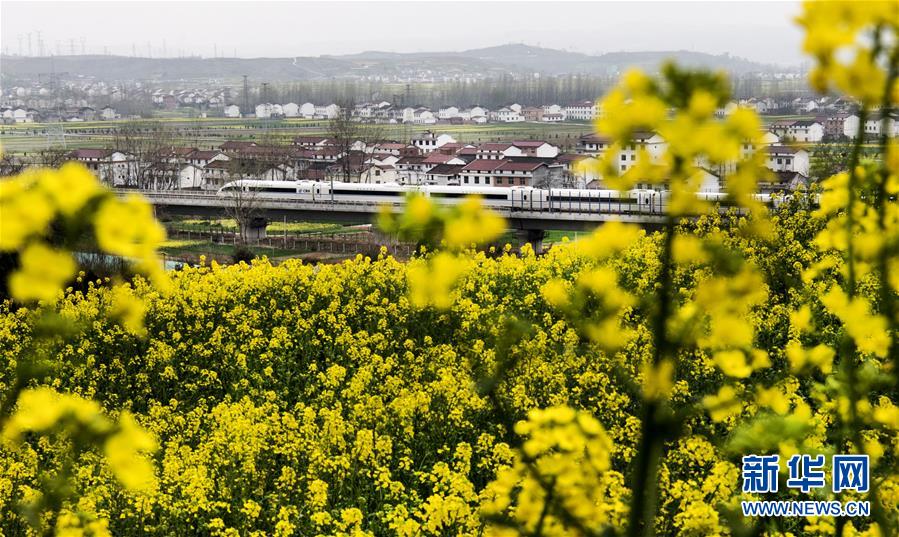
pixel 761 31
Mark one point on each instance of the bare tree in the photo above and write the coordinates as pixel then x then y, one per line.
pixel 11 165
pixel 343 131
pixel 347 135
pixel 242 205
pixel 149 159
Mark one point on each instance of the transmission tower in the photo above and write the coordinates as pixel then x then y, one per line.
pixel 246 96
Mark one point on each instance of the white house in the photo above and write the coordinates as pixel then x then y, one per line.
pixel 22 115
pixel 506 115
pixel 850 126
pixel 553 109
pixel 537 148
pixel 108 113
pixel 264 110
pixel 412 170
pixel 581 111
pixel 597 145
pixel 477 114
pixel 448 112
pixel 232 110
pixel 873 126
pixel 498 151
pixel 112 167
pixel 290 110
pixel 429 141
pixel 799 131
pixel 201 158
pixel 327 112
pixel 783 158
pixel 307 110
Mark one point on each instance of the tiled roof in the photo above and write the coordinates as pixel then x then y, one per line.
pixel 90 153
pixel 482 165
pixel 509 166
pixel 446 169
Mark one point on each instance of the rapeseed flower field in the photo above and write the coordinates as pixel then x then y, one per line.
pixel 608 387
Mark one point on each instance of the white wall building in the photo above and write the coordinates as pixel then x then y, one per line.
pixel 307 110
pixel 232 110
pixel 782 158
pixel 581 111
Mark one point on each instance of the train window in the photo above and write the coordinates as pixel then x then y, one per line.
pixel 374 193
pixel 277 190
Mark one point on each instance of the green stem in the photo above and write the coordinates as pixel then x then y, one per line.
pixel 652 437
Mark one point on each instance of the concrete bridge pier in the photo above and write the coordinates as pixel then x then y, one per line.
pixel 534 237
pixel 253 229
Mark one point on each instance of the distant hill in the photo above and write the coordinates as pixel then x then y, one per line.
pixel 513 58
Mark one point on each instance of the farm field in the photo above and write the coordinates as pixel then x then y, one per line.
pixel 211 132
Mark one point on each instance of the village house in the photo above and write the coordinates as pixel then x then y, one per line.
pixel 169 175
pixel 108 113
pixel 498 151
pixel 872 128
pixel 448 112
pixel 532 113
pixel 326 112
pixel 310 142
pixel 444 174
pixel 110 166
pixel 429 141
pixel 536 148
pixel 479 172
pixel 596 145
pixel 804 130
pixel 475 114
pixel 783 158
pixel 436 157
pixel 506 115
pixel 378 173
pixel 581 111
pixel 307 110
pixel 232 110
pixel 833 125
pixel 412 170
pixel 202 158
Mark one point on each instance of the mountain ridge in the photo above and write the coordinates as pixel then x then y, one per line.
pixel 513 58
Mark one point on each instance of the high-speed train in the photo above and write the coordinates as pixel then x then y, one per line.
pixel 514 198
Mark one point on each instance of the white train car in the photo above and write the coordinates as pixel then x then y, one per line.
pixel 517 198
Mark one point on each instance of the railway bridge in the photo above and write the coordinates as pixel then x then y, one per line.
pixel 531 225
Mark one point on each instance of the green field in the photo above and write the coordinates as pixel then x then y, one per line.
pixel 211 132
